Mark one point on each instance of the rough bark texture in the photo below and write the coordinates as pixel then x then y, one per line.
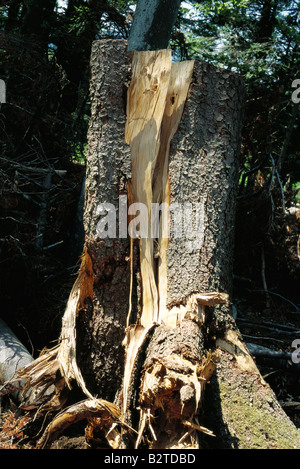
pixel 101 326
pixel 202 169
pixel 243 412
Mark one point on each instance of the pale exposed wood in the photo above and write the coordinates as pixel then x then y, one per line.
pixel 176 371
pixel 193 306
pixel 189 308
pixel 82 289
pixel 146 103
pixel 212 298
pixel 156 98
pixel 232 343
pixel 180 79
pixel 13 356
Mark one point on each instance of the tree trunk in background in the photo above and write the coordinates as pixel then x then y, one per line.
pixel 240 408
pixel 152 25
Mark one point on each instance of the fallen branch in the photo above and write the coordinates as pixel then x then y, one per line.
pixel 261 351
pixel 273 358
pixel 274 330
pixel 13 356
pixel 99 413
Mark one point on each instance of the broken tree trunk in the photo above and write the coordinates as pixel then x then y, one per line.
pixel 182 130
pixel 162 169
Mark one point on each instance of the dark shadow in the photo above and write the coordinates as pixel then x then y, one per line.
pixel 212 418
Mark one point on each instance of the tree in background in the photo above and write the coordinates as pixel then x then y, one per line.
pixel 260 41
pixel 45 54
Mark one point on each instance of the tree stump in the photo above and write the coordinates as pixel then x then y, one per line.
pixel 148 323
pixel 171 293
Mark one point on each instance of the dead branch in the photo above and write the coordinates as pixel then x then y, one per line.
pixel 274 330
pixel 13 357
pixel 106 413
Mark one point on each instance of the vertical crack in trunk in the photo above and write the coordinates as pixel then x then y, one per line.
pixel 146 103
pixel 155 103
pixel 180 79
pixel 156 98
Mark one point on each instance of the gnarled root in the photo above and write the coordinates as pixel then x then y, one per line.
pixel 172 387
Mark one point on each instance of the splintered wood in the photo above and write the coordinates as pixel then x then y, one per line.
pixel 172 386
pixel 166 366
pixel 156 97
pixel 146 104
pixel 82 289
pixel 98 412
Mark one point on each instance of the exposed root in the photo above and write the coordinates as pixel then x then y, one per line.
pixel 169 403
pixel 99 413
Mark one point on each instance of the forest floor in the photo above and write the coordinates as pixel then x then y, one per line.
pixel 267 298
pixel 264 333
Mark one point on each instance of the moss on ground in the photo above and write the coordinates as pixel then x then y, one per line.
pixel 253 415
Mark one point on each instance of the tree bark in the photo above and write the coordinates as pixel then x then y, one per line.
pixel 203 170
pixel 101 326
pixel 183 377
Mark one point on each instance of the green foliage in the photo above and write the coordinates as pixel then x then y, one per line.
pixel 78 19
pixel 44 59
pixel 259 39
